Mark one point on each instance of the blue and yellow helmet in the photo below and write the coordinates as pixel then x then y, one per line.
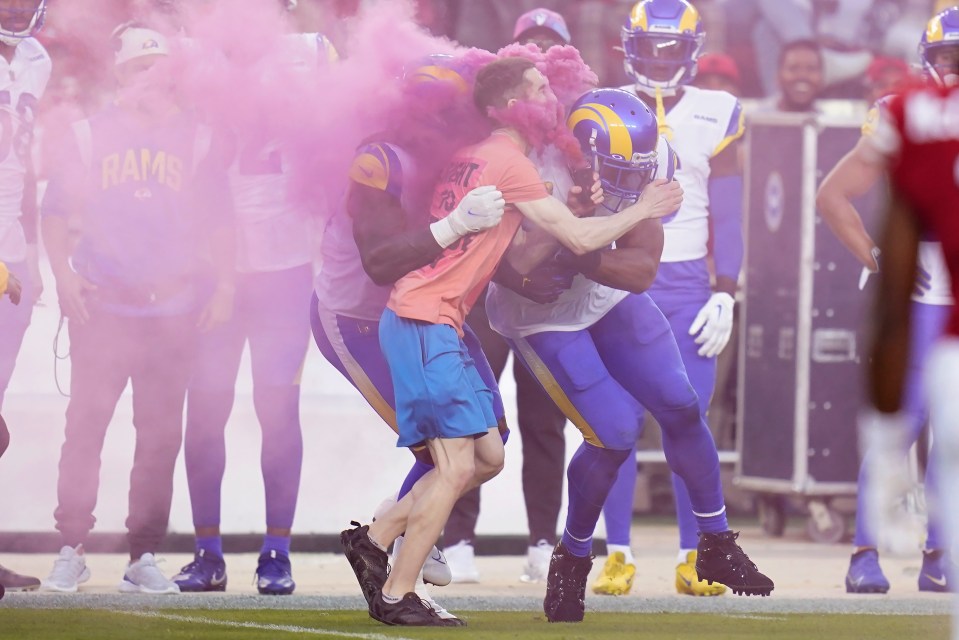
pixel 661 41
pixel 618 135
pixel 435 70
pixel 942 32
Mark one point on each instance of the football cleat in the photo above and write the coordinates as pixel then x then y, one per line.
pixel 205 573
pixel 688 583
pixel 370 563
pixel 864 575
pixel 439 609
pixel 274 574
pixel 617 576
pixel 410 611
pixel 566 586
pixel 933 575
pixel 720 559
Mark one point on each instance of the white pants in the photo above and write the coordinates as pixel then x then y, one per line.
pixel 942 384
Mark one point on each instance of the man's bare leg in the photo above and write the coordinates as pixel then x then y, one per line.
pixel 455 467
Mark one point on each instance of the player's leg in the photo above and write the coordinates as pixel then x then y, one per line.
pixel 680 292
pixel 279 333
pixel 941 373
pixel 641 353
pixel 572 372
pixel 541 426
pixel 620 568
pixel 14 320
pixel 209 402
pixel 100 365
pixel 162 372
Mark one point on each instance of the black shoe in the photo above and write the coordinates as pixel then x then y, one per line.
pixel 410 611
pixel 369 562
pixel 566 586
pixel 11 581
pixel 720 559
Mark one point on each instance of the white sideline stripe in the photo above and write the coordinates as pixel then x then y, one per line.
pixel 746 616
pixel 260 626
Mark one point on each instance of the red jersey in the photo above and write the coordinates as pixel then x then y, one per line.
pixel 921 142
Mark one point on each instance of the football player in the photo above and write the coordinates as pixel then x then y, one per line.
pixel 662 40
pixel 604 351
pixel 932 303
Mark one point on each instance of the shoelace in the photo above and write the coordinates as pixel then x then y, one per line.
pixel 735 553
pixel 62 568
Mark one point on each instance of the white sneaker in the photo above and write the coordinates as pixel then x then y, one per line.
pixel 143 576
pixel 537 563
pixel 425 596
pixel 435 570
pixel 69 570
pixel 461 559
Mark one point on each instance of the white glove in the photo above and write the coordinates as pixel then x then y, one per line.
pixel 714 324
pixel 866 271
pixel 480 209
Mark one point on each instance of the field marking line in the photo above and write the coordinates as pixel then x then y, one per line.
pixel 258 625
pixel 755 616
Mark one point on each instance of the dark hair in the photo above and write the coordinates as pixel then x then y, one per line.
pixel 799 45
pixel 499 81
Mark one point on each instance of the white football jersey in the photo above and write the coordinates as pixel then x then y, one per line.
pixel 702 123
pixel 585 302
pixel 273 231
pixel 23 81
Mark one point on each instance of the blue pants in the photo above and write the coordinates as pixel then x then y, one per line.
pixel 270 313
pixel 14 320
pixel 680 291
pixel 928 323
pixel 604 376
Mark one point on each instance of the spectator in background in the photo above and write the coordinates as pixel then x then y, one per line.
pixel 25 70
pixel 800 77
pixel 153 199
pixel 718 72
pixel 540 421
pixel 883 76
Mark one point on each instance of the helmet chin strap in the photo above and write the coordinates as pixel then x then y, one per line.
pixel 10 41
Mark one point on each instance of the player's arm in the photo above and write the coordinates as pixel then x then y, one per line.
pixel 899 243
pixel 852 177
pixel 725 189
pixel 388 249
pixel 631 265
pixel 583 235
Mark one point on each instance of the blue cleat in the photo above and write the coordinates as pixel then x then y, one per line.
pixel 205 573
pixel 864 574
pixel 933 576
pixel 274 575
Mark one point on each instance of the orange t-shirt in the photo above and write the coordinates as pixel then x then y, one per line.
pixel 444 291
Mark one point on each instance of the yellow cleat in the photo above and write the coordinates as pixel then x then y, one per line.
pixel 617 576
pixel 688 582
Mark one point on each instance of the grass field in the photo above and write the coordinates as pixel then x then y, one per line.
pixel 60 624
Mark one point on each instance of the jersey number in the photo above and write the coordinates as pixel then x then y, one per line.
pixel 16 127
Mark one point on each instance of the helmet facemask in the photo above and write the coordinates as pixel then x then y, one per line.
pixel 623 180
pixel 16 24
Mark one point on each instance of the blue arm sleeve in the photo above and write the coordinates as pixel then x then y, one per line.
pixel 726 212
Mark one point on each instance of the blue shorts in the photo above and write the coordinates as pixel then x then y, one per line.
pixel 439 392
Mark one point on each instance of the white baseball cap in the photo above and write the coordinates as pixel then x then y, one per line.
pixel 134 41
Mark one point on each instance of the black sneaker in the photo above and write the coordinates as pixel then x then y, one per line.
pixel 566 586
pixel 369 562
pixel 12 581
pixel 720 559
pixel 410 611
